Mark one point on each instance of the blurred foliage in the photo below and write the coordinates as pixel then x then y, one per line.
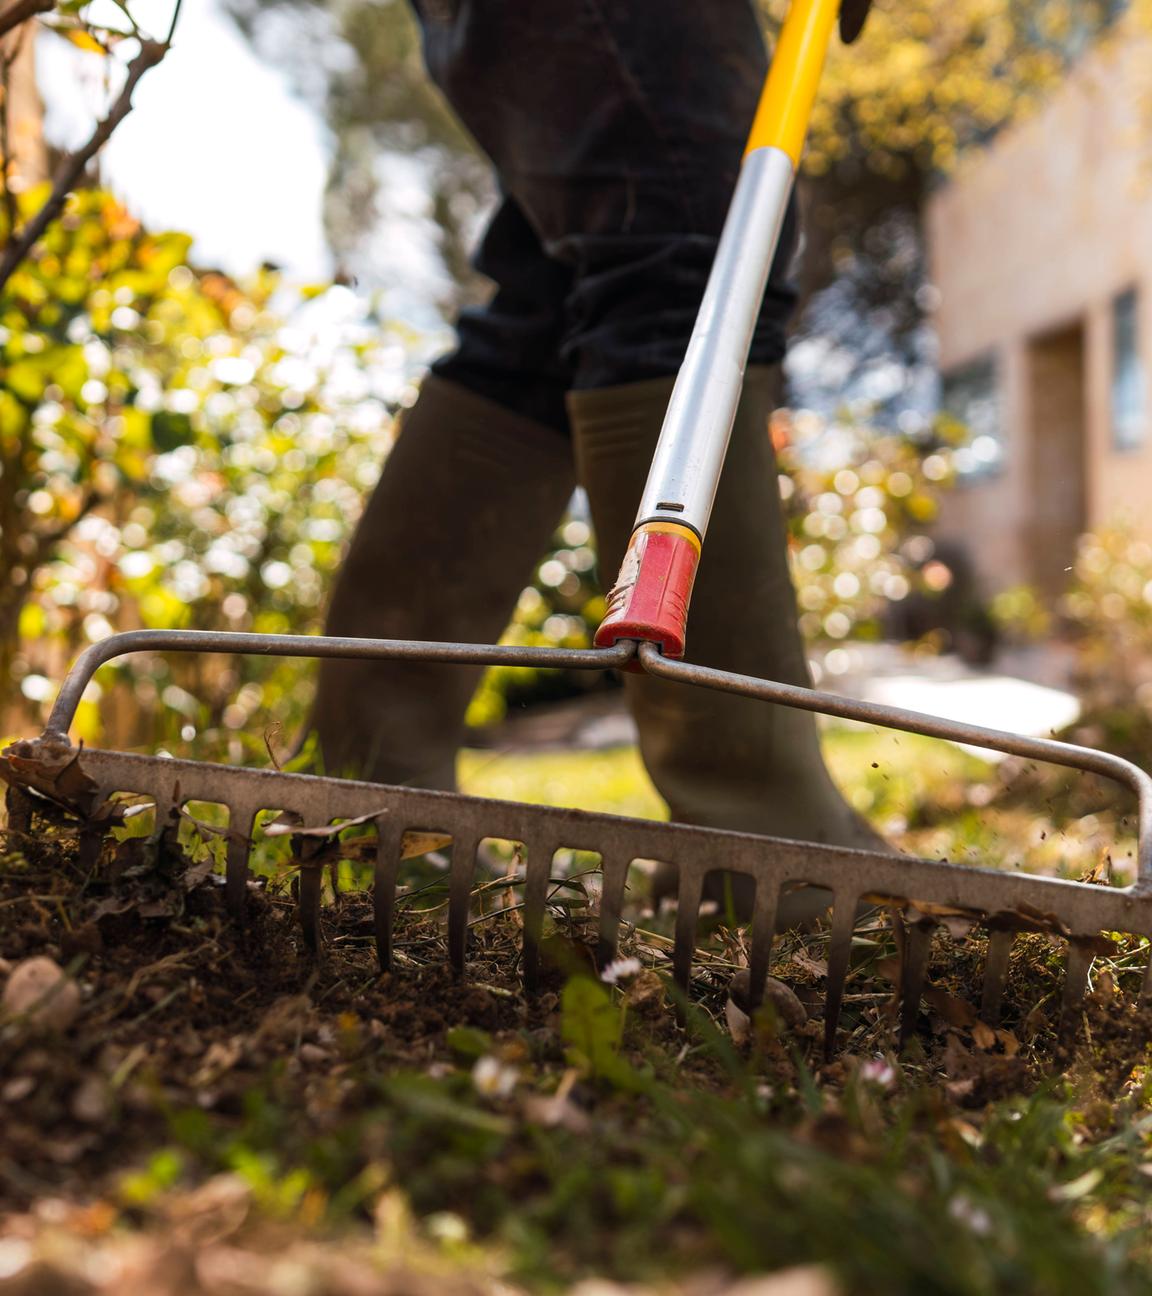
pixel 858 501
pixel 359 62
pixel 560 609
pixel 1021 613
pixel 97 28
pixel 1109 608
pixel 174 453
pixel 931 77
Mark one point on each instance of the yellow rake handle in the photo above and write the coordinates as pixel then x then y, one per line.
pixel 785 106
pixel 649 602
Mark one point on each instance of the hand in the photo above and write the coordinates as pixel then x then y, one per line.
pixel 852 16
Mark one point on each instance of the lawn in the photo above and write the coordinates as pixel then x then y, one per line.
pixel 929 797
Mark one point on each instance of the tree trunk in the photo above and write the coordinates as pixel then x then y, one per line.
pixel 26 111
pixel 12 600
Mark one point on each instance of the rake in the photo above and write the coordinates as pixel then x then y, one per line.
pixel 644 629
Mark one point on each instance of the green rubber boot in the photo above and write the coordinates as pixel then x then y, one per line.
pixel 720 761
pixel 467 503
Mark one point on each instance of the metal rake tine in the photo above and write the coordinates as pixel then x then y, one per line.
pixel 995 974
pixel 763 930
pixel 167 824
pixel 89 846
pixel 308 855
pixel 913 969
pixel 461 877
pixel 389 836
pixel 614 869
pixel 19 806
pixel 1075 983
pixel 240 824
pixel 308 902
pixel 687 916
pixel 839 951
pixel 538 873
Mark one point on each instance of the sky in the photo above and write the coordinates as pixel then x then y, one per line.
pixel 216 145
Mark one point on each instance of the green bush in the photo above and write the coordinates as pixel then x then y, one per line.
pixel 859 501
pixel 1109 610
pixel 176 450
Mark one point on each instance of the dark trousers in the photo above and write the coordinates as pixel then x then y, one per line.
pixel 616 129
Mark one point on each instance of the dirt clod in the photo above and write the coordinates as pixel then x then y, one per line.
pixel 41 993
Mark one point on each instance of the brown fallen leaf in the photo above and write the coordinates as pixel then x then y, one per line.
pixel 806 963
pixel 984 1037
pixel 50 766
pixel 646 993
pixel 414 844
pixel 1008 1042
pixel 951 1009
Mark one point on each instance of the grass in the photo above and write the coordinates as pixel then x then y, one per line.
pixel 612 782
pixel 928 797
pixel 884 775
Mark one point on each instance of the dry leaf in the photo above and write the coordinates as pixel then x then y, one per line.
pixel 739 1023
pixel 952 1010
pixel 1008 1042
pixel 806 963
pixel 984 1037
pixel 414 844
pixel 52 768
pixel 284 826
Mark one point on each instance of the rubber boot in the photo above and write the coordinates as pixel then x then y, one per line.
pixel 718 760
pixel 467 503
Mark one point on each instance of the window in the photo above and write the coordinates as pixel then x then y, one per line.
pixel 971 397
pixel 1129 417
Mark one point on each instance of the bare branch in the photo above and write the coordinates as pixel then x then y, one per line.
pixel 19 11
pixel 175 19
pixel 72 169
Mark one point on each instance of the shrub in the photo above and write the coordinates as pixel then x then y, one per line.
pixel 1109 610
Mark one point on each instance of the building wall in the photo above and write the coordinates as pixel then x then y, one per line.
pixel 1035 235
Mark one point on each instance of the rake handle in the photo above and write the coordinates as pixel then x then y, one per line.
pixel 649 601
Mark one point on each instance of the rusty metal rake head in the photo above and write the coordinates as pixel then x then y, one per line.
pixel 87 782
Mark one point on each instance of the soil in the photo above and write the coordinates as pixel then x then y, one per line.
pixel 190 1024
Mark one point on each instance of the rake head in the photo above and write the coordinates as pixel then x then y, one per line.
pixel 311 811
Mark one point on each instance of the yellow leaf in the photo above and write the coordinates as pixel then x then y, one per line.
pixel 85 40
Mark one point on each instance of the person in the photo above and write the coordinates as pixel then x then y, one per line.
pixel 616 130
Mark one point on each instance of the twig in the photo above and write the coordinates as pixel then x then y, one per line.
pixel 175 19
pixel 72 169
pixel 21 11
